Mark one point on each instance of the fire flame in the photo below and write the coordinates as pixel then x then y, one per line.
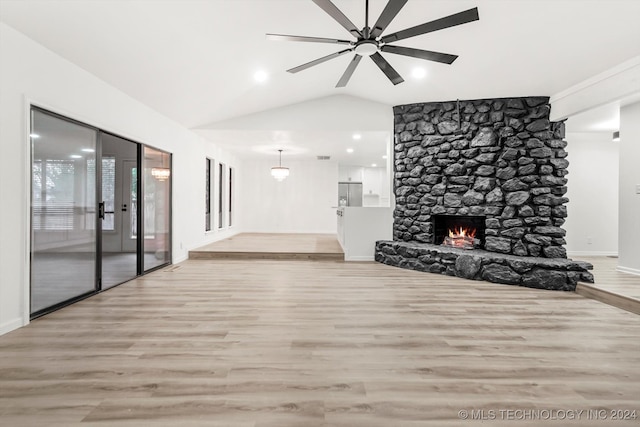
pixel 463 232
pixel 460 238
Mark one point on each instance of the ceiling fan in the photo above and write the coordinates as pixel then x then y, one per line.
pixel 369 40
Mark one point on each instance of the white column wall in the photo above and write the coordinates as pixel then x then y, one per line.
pixel 592 222
pixel 629 186
pixel 302 203
pixel 30 73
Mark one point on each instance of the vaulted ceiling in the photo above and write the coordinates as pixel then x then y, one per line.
pixel 194 60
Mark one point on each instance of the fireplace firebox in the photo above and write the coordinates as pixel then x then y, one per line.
pixel 459 231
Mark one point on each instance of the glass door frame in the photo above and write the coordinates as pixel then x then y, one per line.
pixel 140 271
pixel 139 257
pixel 97 194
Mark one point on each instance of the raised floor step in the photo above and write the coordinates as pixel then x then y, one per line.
pixel 611 298
pixel 285 246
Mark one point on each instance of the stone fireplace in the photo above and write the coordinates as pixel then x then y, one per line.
pixel 499 166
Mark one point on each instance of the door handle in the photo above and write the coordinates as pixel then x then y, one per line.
pixel 124 208
pixel 101 210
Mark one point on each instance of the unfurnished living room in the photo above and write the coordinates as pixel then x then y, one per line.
pixel 369 213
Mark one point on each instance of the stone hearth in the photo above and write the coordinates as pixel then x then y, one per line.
pixel 501 159
pixel 534 272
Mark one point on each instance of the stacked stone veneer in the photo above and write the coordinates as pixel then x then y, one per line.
pixel 498 158
pixel 559 274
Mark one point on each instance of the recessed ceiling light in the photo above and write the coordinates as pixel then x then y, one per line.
pixel 357 136
pixel 88 150
pixel 75 156
pixel 419 73
pixel 261 76
pixel 34 135
pixel 384 157
pixel 349 150
pixel 373 165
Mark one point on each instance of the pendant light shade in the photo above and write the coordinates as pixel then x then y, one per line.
pixel 279 172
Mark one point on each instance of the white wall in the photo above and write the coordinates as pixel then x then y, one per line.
pixel 592 224
pixel 302 203
pixel 629 222
pixel 31 73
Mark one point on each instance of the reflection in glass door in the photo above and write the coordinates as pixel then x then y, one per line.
pixel 157 208
pixel 119 243
pixel 63 214
pixel 130 206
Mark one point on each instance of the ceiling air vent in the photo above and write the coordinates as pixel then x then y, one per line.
pixel 323 157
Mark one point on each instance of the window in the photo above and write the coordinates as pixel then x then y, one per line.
pixel 221 189
pixel 54 194
pixel 109 192
pixel 230 220
pixel 207 197
pixel 108 189
pixel 134 203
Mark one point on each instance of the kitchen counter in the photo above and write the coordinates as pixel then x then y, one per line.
pixel 360 227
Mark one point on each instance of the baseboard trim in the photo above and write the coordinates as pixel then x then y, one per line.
pixel 359 258
pixel 628 270
pixel 180 259
pixel 589 253
pixel 11 325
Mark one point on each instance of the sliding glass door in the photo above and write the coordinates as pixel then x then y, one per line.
pixel 100 210
pixel 119 194
pixel 63 210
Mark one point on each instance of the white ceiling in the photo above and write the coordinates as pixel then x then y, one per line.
pixel 193 60
pixel 602 119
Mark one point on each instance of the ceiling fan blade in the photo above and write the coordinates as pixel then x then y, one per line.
pixel 445 58
pixel 286 37
pixel 386 68
pixel 390 11
pixel 439 24
pixel 336 14
pixel 317 61
pixel 349 71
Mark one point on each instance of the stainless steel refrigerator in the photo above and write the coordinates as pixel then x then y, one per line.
pixel 349 194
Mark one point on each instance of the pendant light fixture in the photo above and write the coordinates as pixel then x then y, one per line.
pixel 279 172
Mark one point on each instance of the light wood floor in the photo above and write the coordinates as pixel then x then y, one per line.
pixel 272 246
pixel 608 278
pixel 612 286
pixel 318 343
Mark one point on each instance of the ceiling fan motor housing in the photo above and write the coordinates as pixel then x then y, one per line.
pixel 366 47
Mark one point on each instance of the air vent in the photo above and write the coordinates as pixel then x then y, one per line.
pixel 324 157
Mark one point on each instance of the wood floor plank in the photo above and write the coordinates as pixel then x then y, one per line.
pixel 317 343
